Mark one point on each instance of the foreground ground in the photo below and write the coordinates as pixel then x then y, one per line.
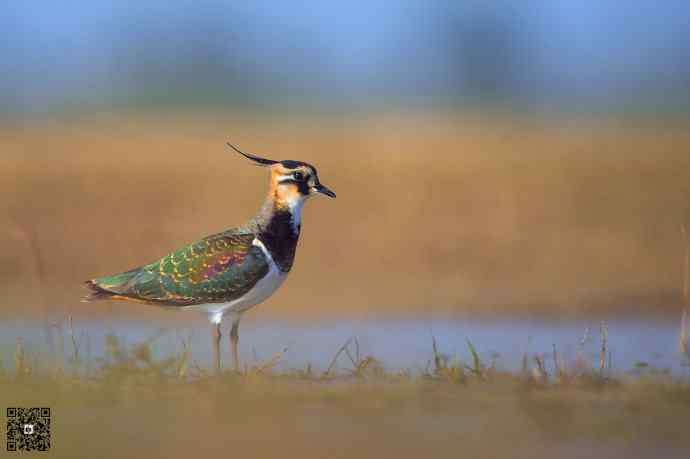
pixel 125 404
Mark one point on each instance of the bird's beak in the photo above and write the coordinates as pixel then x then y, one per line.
pixel 324 190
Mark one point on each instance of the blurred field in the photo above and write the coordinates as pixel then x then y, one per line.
pixel 126 403
pixel 436 213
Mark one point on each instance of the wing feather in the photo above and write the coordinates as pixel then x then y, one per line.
pixel 217 269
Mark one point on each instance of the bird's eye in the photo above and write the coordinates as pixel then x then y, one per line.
pixel 298 176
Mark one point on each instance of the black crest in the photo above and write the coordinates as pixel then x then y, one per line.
pixel 292 164
pixel 256 159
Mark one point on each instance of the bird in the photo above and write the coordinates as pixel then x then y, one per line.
pixel 226 274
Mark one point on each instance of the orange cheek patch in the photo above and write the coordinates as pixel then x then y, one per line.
pixel 273 189
pixel 285 193
pixel 281 193
pixel 276 172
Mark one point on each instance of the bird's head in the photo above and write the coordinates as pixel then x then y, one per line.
pixel 292 182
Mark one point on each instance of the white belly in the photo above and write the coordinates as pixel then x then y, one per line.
pixel 258 294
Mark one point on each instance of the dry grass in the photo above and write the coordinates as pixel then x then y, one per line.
pixel 127 404
pixel 433 211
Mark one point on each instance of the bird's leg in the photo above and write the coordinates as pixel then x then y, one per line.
pixel 216 346
pixel 234 339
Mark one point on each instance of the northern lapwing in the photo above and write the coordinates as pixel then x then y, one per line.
pixel 225 274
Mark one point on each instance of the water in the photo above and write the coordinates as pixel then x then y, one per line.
pixel 397 343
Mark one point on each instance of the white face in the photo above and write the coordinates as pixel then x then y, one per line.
pixel 300 181
pixel 293 187
pixel 295 202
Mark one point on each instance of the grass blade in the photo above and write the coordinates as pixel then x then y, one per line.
pixel 477 366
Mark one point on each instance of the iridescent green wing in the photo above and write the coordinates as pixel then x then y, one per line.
pixel 217 269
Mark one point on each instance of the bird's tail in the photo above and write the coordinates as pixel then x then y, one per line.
pixel 96 292
pixel 103 288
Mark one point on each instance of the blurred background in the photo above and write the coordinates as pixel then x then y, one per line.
pixel 491 158
pixel 509 174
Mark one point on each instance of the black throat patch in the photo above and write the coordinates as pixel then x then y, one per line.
pixel 280 238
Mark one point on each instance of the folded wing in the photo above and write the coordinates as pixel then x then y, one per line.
pixel 217 269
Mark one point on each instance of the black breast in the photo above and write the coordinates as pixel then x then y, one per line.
pixel 280 239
